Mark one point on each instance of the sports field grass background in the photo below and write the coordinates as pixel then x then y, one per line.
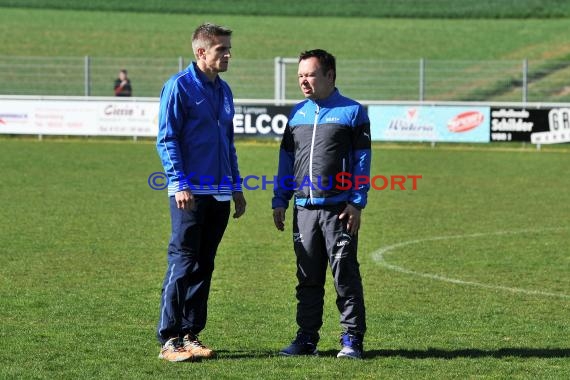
pixel 467 277
pixel 139 41
pixel 321 8
pixel 83 242
pixel 48 32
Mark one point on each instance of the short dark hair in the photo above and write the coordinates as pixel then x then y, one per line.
pixel 205 33
pixel 326 59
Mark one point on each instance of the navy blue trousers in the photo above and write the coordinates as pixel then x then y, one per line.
pixel 196 235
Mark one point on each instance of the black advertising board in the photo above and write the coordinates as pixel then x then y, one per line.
pixel 548 125
pixel 260 120
pixel 517 124
pixel 559 128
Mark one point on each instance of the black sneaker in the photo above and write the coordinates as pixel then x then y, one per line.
pixel 304 344
pixel 352 347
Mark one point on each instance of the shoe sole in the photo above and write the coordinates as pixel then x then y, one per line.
pixel 315 353
pixel 343 356
pixel 192 358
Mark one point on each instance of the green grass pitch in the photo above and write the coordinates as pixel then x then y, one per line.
pixel 465 277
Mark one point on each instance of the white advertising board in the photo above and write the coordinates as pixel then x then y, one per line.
pixel 78 117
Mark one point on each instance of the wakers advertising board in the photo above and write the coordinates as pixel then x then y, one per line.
pixel 429 123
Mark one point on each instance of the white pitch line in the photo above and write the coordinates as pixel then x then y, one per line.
pixel 378 256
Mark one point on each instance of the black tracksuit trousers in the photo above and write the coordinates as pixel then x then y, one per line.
pixel 320 239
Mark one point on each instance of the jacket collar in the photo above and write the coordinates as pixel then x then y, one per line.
pixel 201 78
pixel 328 101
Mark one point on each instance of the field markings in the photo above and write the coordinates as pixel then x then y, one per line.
pixel 379 257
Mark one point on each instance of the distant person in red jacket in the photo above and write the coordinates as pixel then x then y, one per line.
pixel 123 84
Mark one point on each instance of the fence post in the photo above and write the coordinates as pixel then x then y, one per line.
pixel 278 74
pixel 180 63
pixel 87 75
pixel 525 80
pixel 422 79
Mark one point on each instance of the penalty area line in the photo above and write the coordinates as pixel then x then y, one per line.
pixel 379 257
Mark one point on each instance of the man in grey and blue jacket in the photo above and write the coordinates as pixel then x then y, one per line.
pixel 324 162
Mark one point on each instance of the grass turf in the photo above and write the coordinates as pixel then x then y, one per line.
pixel 378 58
pixel 83 254
pixel 31 32
pixel 323 8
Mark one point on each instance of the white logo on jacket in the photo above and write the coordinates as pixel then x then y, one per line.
pixel 227 107
pixel 297 237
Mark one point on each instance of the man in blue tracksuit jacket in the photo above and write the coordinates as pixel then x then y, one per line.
pixel 324 161
pixel 196 146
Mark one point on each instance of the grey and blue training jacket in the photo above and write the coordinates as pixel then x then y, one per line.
pixel 325 148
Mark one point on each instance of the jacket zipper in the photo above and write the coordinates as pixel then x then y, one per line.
pixel 312 150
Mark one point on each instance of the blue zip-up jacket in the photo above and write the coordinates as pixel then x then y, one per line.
pixel 325 147
pixel 195 139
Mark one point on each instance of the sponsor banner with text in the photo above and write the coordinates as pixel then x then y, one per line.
pixel 260 120
pixel 429 123
pixel 120 118
pixel 78 117
pixel 537 125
